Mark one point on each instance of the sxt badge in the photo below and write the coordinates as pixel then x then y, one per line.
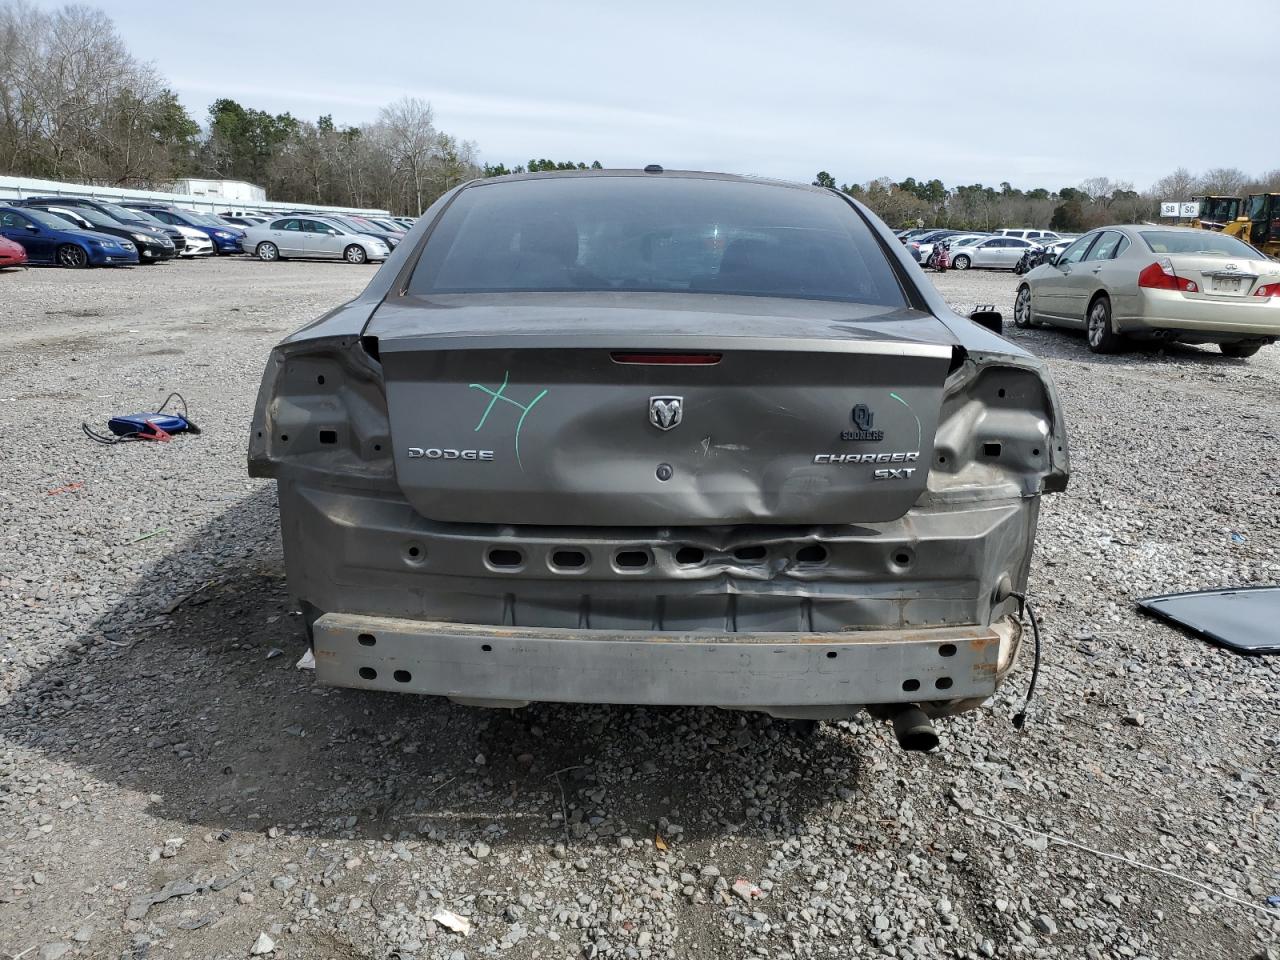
pixel 894 473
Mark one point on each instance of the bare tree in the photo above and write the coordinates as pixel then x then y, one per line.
pixel 408 126
pixel 1129 206
pixel 892 204
pixel 1222 182
pixel 1097 188
pixel 75 104
pixel 1102 190
pixel 452 163
pixel 1179 185
pixel 1269 182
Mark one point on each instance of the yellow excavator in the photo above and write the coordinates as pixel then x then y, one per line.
pixel 1260 224
pixel 1256 222
pixel 1216 213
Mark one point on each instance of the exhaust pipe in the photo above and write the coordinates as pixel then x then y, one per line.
pixel 914 730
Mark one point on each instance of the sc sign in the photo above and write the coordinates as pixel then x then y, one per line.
pixel 1179 210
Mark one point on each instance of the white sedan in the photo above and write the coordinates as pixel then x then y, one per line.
pixel 198 242
pixel 996 253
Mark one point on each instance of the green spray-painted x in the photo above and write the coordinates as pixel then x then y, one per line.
pixel 499 394
pixel 919 429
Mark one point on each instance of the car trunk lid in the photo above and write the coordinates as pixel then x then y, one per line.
pixel 688 410
pixel 1222 277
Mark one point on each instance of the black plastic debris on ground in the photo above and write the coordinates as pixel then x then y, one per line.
pixel 1246 620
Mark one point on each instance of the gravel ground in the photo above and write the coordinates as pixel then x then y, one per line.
pixel 156 740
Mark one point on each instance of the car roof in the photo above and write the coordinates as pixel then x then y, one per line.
pixel 1137 228
pixel 682 174
pixel 64 201
pixel 10 208
pixel 1145 226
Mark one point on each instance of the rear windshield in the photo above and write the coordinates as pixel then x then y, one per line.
pixel 1198 242
pixel 49 219
pixel 119 212
pixel 358 226
pixel 141 216
pixel 64 219
pixel 655 234
pixel 95 217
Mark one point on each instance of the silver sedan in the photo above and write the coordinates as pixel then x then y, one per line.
pixel 996 253
pixel 1157 282
pixel 312 237
pixel 951 242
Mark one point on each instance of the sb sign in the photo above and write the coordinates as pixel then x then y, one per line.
pixel 1180 210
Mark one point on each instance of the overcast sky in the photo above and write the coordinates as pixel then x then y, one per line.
pixel 1036 93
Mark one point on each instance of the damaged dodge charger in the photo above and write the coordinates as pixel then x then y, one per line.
pixel 654 437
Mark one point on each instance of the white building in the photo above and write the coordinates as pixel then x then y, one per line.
pixel 185 193
pixel 220 189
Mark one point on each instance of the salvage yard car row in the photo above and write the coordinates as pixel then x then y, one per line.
pixel 978 249
pixel 1122 284
pixel 86 232
pixel 80 232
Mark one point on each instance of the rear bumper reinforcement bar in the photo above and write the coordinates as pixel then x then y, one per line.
pixel 518 665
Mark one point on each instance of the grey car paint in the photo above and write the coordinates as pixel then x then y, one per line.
pixel 1240 619
pixel 771 432
pixel 571 572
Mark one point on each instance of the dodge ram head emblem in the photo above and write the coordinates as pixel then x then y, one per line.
pixel 666 412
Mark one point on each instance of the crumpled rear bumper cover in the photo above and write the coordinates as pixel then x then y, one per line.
pixel 903 612
pixel 516 665
pixel 372 555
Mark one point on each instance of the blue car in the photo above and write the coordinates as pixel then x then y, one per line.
pixel 49 239
pixel 226 238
